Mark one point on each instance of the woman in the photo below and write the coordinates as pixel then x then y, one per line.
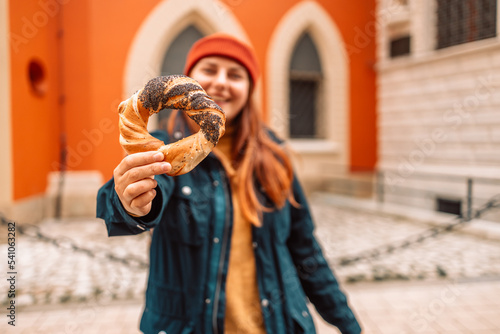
pixel 233 249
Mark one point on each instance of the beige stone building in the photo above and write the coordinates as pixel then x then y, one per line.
pixel 438 113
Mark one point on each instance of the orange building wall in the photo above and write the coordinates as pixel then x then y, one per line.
pixel 358 27
pixel 91 71
pixel 97 37
pixel 109 55
pixel 76 69
pixel 35 119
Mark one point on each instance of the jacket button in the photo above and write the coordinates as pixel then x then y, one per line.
pixel 216 240
pixel 215 183
pixel 177 135
pixel 305 314
pixel 255 244
pixel 186 190
pixel 162 332
pixel 207 301
pixel 265 303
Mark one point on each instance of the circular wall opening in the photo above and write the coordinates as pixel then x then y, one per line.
pixel 37 77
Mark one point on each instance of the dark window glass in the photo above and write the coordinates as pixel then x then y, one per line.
pixel 400 46
pixel 449 206
pixel 175 59
pixel 305 81
pixel 303 108
pixel 462 21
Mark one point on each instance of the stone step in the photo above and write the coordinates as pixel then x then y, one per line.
pixel 352 184
pixel 78 193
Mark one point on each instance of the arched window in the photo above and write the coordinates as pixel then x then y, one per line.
pixel 305 86
pixel 175 59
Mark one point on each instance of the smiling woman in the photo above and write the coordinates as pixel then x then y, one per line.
pixel 233 249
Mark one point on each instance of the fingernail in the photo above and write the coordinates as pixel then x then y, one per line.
pixel 165 167
pixel 158 156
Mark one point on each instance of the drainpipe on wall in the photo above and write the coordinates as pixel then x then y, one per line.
pixel 62 115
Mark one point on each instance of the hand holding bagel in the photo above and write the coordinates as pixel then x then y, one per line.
pixel 134 180
pixel 172 92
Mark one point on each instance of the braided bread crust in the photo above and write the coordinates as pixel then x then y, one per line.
pixel 172 92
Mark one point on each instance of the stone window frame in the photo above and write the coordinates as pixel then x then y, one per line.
pixel 309 16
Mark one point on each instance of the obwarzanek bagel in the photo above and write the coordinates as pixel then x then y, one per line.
pixel 172 92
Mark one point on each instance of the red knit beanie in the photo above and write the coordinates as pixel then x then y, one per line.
pixel 220 44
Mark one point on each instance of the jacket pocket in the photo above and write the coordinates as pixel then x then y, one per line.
pixel 166 310
pixel 152 323
pixel 192 209
pixel 167 301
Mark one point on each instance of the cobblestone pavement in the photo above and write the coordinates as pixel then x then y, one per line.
pixel 421 283
pixel 443 307
pixel 451 255
pixel 48 274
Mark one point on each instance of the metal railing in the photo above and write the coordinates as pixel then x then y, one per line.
pixel 456 223
pixel 417 186
pixel 468 183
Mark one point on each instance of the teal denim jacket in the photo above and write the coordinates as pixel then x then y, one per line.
pixel 192 220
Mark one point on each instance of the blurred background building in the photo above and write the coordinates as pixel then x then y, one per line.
pixel 438 104
pixel 66 65
pixel 388 100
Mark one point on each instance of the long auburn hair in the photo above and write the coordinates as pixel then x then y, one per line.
pixel 259 161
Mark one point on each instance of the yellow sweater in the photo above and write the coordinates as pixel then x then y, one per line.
pixel 243 310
